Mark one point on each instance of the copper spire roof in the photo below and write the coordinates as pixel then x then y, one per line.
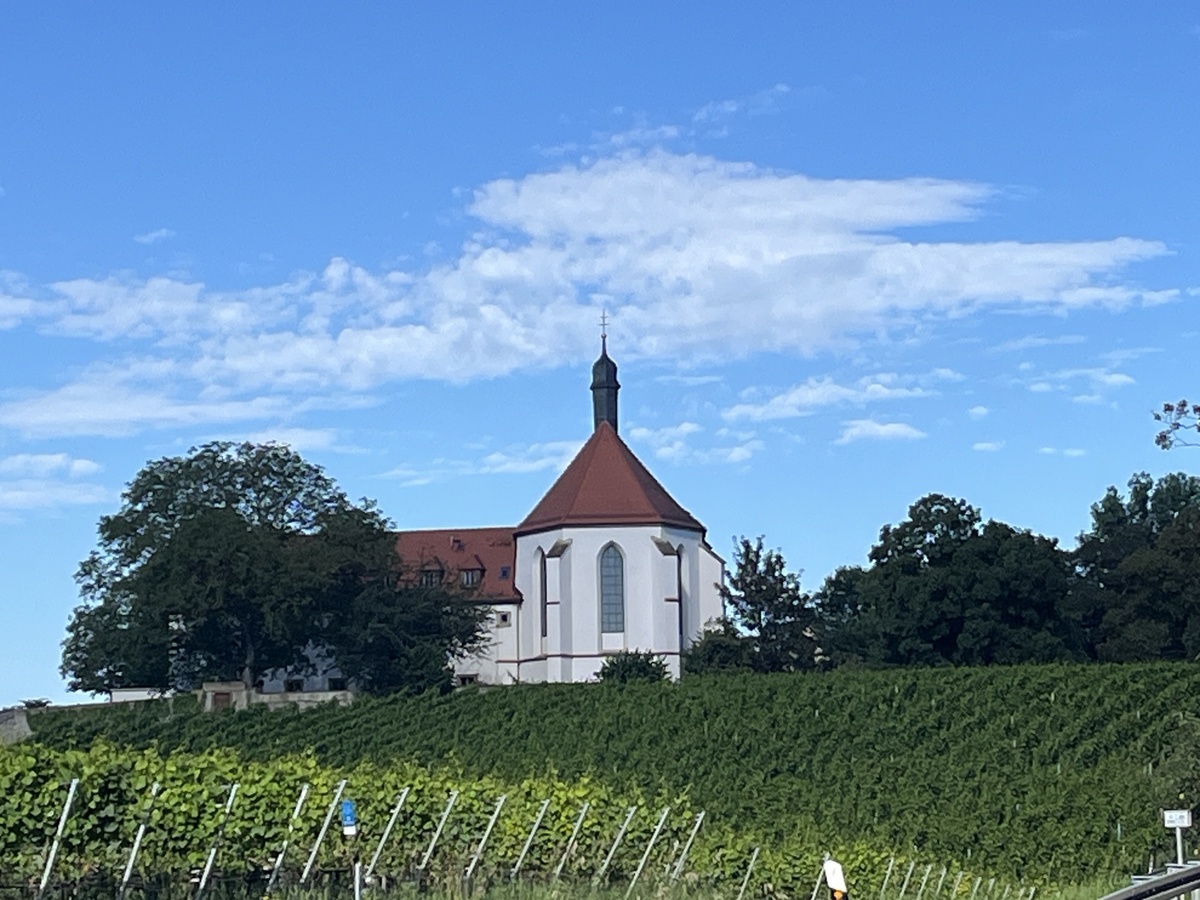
pixel 605 484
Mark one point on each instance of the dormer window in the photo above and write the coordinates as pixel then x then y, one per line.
pixel 431 578
pixel 471 577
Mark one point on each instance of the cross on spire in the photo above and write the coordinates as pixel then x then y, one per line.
pixel 604 330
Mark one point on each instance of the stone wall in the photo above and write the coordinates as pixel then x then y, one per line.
pixel 14 725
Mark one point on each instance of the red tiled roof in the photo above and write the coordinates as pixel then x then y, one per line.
pixel 454 549
pixel 605 484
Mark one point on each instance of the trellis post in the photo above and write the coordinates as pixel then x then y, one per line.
pixel 387 832
pixel 212 851
pixel 907 875
pixel 749 872
pixel 316 848
pixel 562 863
pixel 288 837
pixel 537 822
pixel 662 820
pixel 924 880
pixel 941 880
pixel 687 847
pixel 437 833
pixel 887 876
pixel 137 841
pixel 612 851
pixel 62 825
pixel 487 833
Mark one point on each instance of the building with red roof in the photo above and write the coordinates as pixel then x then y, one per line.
pixel 606 561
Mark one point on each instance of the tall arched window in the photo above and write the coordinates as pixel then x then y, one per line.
pixel 612 590
pixel 543 593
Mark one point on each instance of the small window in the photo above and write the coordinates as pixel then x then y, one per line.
pixel 503 620
pixel 294 685
pixel 504 573
pixel 471 577
pixel 337 684
pixel 467 680
pixel 431 578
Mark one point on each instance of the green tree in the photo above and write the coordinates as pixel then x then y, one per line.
pixel 226 563
pixel 721 648
pixel 765 602
pixel 1139 568
pixel 945 587
pixel 388 636
pixel 633 665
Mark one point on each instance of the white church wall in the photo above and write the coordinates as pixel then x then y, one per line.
pixel 575 646
pixel 710 574
pixel 493 663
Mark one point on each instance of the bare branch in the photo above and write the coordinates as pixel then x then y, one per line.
pixel 1178 419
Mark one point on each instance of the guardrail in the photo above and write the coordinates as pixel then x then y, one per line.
pixel 1164 887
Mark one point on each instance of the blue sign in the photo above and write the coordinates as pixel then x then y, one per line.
pixel 349 814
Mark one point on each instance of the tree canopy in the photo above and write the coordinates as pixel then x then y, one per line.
pixel 238 559
pixel 944 587
pixel 1139 568
pixel 768 607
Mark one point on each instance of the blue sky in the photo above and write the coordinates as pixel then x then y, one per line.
pixel 853 253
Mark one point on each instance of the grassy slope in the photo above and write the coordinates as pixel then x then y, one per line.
pixel 1026 768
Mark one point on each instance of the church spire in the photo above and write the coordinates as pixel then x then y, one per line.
pixel 604 382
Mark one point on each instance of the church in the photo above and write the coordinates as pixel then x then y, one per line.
pixel 606 561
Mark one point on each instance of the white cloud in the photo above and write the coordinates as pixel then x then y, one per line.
pixel 869 429
pixel 690 380
pixel 109 406
pixel 153 237
pixel 1099 377
pixel 512 460
pixel 1032 341
pixel 43 465
pixel 763 102
pixel 804 399
pixel 31 481
pixel 554 455
pixel 299 439
pixel 1070 452
pixel 36 493
pixel 13 310
pixel 699 259
pixel 977 412
pixel 163 308
pixel 670 442
pixel 736 454
pixel 1120 357
pixel 1098 382
pixel 988 446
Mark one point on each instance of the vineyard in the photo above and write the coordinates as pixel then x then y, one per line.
pixel 169 819
pixel 1036 773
